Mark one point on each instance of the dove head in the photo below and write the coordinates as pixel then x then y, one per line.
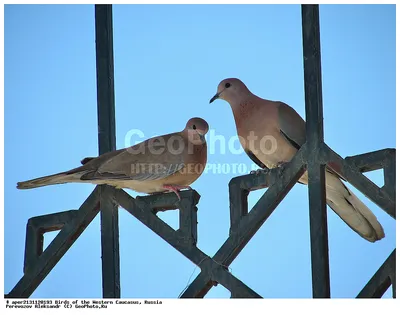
pixel 231 90
pixel 196 129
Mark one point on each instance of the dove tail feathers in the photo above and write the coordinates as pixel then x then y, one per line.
pixel 60 178
pixel 352 210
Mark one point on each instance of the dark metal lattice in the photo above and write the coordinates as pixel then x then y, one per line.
pixel 313 156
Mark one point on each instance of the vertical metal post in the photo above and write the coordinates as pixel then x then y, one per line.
pixel 106 125
pixel 315 138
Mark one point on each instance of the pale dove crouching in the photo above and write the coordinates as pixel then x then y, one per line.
pixel 271 133
pixel 165 163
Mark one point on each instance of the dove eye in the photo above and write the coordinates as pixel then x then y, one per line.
pixel 227 85
pixel 194 127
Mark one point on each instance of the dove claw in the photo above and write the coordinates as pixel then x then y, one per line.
pixel 176 189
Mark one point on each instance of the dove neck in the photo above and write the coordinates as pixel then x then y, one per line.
pixel 242 108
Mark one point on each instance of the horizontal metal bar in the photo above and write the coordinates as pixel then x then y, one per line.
pixel 381 280
pixel 35 229
pixel 52 222
pixel 57 248
pixel 167 201
pixel 252 182
pixel 371 161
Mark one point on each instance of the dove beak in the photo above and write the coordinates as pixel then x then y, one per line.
pixel 202 138
pixel 216 96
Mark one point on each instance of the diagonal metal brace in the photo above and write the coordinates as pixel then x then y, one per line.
pixel 185 238
pixel 381 280
pixel 145 210
pixel 376 160
pixel 35 229
pixel 349 169
pixel 281 180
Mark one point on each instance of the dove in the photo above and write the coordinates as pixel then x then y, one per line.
pixel 271 132
pixel 167 163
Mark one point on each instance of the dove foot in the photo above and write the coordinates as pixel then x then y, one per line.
pixel 260 171
pixel 176 189
pixel 281 164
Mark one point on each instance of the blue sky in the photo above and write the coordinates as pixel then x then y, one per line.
pixel 168 62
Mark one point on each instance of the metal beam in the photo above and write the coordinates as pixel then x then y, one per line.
pixel 199 286
pixel 237 287
pixel 315 153
pixel 315 140
pixel 371 161
pixel 381 280
pixel 35 229
pixel 145 209
pixel 380 196
pixel 184 239
pixel 57 248
pixel 280 181
pixel 106 135
pixel 250 224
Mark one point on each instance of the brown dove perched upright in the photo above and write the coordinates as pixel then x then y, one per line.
pixel 165 163
pixel 271 133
